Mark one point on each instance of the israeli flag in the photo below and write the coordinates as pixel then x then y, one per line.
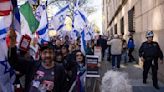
pixel 5 23
pixel 80 20
pixel 83 42
pixel 79 17
pixel 42 30
pixel 33 2
pixel 59 18
pixel 39 10
pixel 74 34
pixel 89 33
pixel 7 74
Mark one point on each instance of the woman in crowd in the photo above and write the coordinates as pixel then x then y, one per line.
pixel 69 65
pixel 65 51
pixel 78 85
pixel 59 58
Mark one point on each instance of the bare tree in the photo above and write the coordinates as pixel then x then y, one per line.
pixel 82 3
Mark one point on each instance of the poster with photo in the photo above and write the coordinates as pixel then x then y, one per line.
pixel 25 43
pixel 92 66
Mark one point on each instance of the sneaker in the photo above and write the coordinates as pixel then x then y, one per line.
pixel 113 68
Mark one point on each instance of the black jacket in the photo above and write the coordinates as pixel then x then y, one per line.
pixel 102 42
pixel 150 50
pixel 71 70
pixel 29 68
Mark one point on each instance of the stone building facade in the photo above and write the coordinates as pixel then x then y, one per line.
pixel 135 16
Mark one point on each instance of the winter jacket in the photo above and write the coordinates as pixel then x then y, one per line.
pixel 150 50
pixel 131 43
pixel 116 46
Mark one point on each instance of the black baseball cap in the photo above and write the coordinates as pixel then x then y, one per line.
pixel 46 45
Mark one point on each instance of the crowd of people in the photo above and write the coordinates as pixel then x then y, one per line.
pixel 149 52
pixel 59 65
pixel 59 68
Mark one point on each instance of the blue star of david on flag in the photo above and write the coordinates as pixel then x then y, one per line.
pixel 61 18
pixel 7 69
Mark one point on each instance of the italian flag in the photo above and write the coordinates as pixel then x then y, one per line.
pixel 29 23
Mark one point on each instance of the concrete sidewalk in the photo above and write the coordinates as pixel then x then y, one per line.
pixel 135 76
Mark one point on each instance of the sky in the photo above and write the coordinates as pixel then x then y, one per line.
pixel 96 17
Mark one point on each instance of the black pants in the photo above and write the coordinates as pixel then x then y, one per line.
pixel 131 58
pixel 109 53
pixel 147 65
pixel 103 53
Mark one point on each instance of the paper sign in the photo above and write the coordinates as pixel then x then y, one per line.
pixel 92 66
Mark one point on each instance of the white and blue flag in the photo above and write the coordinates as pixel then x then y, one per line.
pixel 33 2
pixel 42 30
pixel 7 74
pixel 39 10
pixel 59 18
pixel 5 23
pixel 74 34
pixel 83 42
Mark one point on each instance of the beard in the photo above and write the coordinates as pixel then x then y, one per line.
pixel 48 60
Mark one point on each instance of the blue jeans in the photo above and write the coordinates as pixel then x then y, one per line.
pixel 125 56
pixel 114 58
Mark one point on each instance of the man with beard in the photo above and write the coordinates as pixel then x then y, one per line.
pixel 43 75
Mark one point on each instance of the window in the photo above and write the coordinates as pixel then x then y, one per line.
pixel 115 29
pixel 122 25
pixel 131 20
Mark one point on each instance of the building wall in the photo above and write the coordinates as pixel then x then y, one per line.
pixel 148 16
pixel 104 17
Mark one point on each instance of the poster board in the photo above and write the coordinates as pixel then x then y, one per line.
pixel 25 43
pixel 97 52
pixel 92 66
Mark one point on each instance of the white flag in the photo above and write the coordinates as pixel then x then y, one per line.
pixel 5 23
pixel 7 75
pixel 42 30
pixel 59 18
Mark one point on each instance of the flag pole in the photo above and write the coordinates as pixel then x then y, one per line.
pixel 12 11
